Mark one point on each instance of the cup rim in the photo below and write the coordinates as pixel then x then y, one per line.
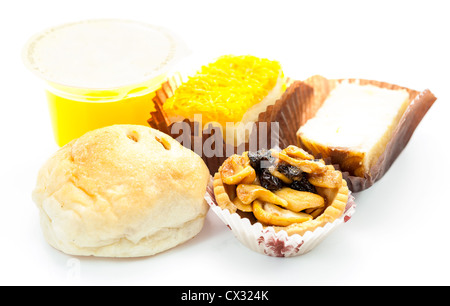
pixel 178 51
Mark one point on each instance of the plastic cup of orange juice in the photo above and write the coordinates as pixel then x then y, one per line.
pixel 101 72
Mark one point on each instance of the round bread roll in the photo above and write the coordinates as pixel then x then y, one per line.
pixel 121 191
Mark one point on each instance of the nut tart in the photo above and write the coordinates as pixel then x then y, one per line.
pixel 287 190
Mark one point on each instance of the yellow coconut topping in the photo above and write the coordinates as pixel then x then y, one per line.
pixel 225 89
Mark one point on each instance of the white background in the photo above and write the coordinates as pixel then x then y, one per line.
pixel 400 232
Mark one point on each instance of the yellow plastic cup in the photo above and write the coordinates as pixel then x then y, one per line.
pixel 101 72
pixel 74 112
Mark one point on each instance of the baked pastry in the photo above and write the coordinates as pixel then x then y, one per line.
pixel 232 89
pixel 301 103
pixel 354 125
pixel 287 190
pixel 121 191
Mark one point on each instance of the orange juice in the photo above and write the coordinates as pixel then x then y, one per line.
pixel 101 72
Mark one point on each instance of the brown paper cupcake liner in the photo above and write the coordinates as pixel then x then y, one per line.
pixel 309 95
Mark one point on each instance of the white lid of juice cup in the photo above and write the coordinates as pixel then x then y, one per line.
pixel 103 53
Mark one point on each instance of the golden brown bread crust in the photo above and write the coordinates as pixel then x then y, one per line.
pixel 122 191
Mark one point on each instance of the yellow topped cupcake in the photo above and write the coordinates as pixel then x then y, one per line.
pixel 234 89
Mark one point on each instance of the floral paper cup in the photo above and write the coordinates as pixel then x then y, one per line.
pixel 268 242
pixel 280 217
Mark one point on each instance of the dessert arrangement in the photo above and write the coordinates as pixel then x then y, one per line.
pixel 285 157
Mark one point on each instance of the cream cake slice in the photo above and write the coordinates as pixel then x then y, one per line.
pixel 354 125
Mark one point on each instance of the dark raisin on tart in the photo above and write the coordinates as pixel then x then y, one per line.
pixel 303 184
pixel 268 181
pixel 262 161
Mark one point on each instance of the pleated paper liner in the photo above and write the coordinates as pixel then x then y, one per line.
pixel 265 240
pixel 264 135
pixel 306 97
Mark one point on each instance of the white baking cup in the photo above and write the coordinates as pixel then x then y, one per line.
pixel 268 242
